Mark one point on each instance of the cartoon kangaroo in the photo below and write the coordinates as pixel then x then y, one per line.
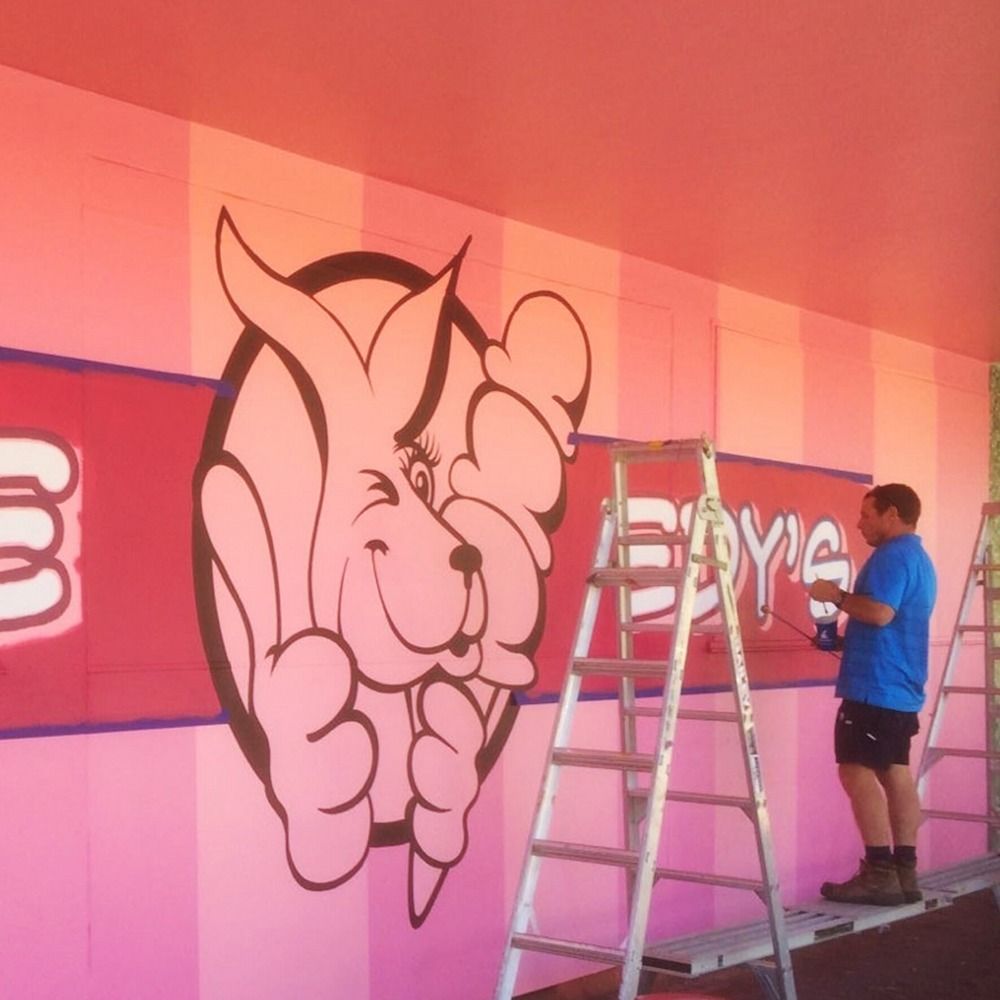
pixel 372 520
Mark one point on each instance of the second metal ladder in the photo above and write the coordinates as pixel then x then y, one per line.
pixel 983 575
pixel 704 548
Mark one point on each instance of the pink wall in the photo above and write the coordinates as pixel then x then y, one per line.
pixel 151 859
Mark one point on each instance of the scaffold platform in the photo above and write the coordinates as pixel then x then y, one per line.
pixel 697 954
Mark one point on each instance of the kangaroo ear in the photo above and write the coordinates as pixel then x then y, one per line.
pixel 408 359
pixel 290 319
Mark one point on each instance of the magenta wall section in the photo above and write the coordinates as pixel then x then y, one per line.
pixel 147 860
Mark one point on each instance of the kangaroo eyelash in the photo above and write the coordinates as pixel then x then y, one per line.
pixel 424 449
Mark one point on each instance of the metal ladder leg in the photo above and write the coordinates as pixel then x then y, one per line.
pixel 531 869
pixel 781 979
pixel 657 800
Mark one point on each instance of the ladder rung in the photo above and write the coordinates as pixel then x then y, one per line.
pixel 707 715
pixel 572 949
pixel 636 576
pixel 696 628
pixel 565 851
pixel 708 561
pixel 986 567
pixel 967 689
pixel 589 667
pixel 624 858
pixel 615 760
pixel 643 712
pixel 696 714
pixel 658 451
pixel 698 798
pixel 654 537
pixel 962 816
pixel 725 881
pixel 964 752
pixel 981 629
pixel 647 626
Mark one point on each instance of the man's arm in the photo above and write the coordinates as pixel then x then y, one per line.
pixel 857 606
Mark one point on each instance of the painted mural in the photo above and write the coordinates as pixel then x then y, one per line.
pixel 298 490
pixel 370 553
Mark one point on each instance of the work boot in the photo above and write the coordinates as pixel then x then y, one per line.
pixel 876 884
pixel 907 874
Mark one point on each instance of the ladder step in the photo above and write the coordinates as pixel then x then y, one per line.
pixel 636 576
pixel 986 567
pixel 723 881
pixel 938 752
pixel 658 451
pixel 967 689
pixel 707 629
pixel 698 798
pixel 590 667
pixel 624 858
pixel 709 561
pixel 643 712
pixel 614 760
pixel 696 627
pixel 571 949
pixel 980 629
pixel 696 714
pixel 646 627
pixel 654 537
pixel 707 715
pixel 566 851
pixel 962 816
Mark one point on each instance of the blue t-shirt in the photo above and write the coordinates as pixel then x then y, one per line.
pixel 886 665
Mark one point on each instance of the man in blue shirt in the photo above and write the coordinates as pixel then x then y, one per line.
pixel 881 681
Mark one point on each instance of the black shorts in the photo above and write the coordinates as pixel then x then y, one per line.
pixel 872 736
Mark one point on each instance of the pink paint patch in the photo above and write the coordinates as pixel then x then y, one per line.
pixel 470 908
pixel 43 868
pixel 142 864
pixel 666 353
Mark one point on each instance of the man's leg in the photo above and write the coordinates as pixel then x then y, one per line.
pixel 868 802
pixel 904 817
pixel 877 882
pixel 903 803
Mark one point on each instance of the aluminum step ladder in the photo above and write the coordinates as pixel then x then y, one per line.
pixel 703 549
pixel 983 575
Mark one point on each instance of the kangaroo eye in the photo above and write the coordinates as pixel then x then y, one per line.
pixel 417 460
pixel 420 474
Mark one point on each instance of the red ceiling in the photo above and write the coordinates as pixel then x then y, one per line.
pixel 842 155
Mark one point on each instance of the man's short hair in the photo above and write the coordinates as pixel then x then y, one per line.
pixel 897 495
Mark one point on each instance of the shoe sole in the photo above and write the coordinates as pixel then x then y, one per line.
pixel 834 897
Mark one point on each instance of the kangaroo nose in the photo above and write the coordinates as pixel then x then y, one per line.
pixel 466 559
